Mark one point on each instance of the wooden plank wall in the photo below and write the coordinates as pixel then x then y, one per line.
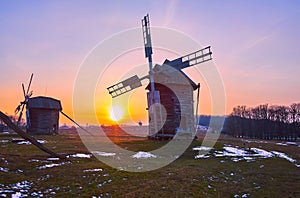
pixel 179 108
pixel 43 121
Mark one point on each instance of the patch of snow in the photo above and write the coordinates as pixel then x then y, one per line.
pixel 80 155
pixel 26 142
pixel 52 165
pixel 286 143
pixel 5 132
pixel 238 154
pixel 33 160
pixel 53 159
pixel 236 159
pixel 261 166
pixel 234 152
pixel 201 156
pixel 248 158
pixel 4 160
pixel 245 195
pixel 297 165
pixel 291 143
pixel 42 141
pixel 16 195
pixel 104 154
pixel 281 144
pixel 4 141
pixel 202 148
pixel 284 156
pixel 261 153
pixel 4 169
pixel 143 155
pixel 93 170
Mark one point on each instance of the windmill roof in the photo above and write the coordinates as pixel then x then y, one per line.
pixel 173 73
pixel 42 102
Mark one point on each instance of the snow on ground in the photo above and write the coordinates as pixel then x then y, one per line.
pixel 19 189
pixel 201 156
pixel 4 141
pixel 104 154
pixel 238 154
pixel 4 169
pixel 284 156
pixel 93 170
pixel 28 143
pixel 53 159
pixel 80 155
pixel 202 148
pixel 261 153
pixel 234 152
pixel 52 165
pixel 281 144
pixel 24 189
pixel 5 132
pixel 143 155
pixel 286 143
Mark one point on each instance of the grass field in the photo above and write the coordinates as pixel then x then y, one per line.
pixel 27 171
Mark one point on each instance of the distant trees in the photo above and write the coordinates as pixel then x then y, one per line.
pixel 264 121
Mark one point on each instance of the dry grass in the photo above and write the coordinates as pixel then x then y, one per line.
pixel 185 177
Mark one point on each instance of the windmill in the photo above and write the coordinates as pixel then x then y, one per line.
pixel 179 109
pixel 27 95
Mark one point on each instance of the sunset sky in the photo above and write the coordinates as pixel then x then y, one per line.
pixel 255 44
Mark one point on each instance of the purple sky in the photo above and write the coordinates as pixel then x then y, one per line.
pixel 256 44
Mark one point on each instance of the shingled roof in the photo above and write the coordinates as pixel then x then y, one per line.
pixel 42 102
pixel 171 73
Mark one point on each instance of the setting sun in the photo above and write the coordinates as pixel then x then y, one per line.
pixel 116 113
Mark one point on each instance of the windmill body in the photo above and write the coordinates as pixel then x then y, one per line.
pixel 170 96
pixel 176 97
pixel 43 115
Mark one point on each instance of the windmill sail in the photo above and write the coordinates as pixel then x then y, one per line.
pixel 197 57
pixel 125 86
pixel 146 35
pixel 27 95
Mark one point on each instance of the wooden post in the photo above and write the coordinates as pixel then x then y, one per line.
pixel 24 135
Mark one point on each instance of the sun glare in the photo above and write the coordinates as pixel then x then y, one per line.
pixel 116 113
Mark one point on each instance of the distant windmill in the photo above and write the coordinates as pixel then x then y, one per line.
pixel 27 95
pixel 162 80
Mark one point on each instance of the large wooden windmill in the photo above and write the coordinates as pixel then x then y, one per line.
pixel 170 96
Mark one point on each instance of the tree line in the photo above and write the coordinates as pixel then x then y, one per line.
pixel 264 122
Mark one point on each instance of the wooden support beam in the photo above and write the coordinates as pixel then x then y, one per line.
pixel 24 135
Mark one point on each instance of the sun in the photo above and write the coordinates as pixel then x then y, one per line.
pixel 116 113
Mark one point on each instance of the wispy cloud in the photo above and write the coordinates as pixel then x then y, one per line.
pixel 170 12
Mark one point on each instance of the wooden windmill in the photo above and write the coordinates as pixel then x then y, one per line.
pixel 170 96
pixel 42 113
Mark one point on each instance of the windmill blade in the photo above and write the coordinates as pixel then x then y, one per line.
pixel 147 36
pixel 29 84
pixel 18 109
pixel 197 57
pixel 21 113
pixel 125 86
pixel 23 90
